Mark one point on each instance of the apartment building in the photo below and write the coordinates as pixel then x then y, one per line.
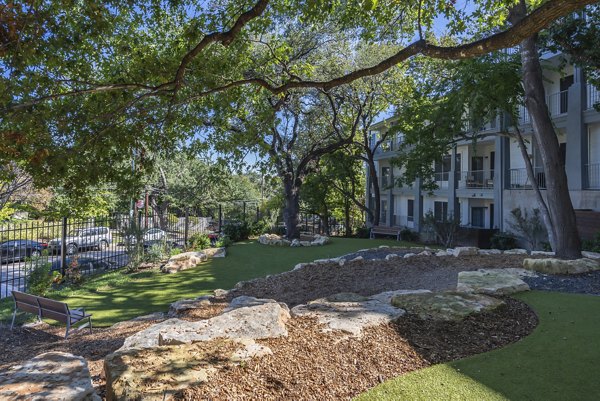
pixel 482 182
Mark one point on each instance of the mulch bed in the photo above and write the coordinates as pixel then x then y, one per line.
pixel 309 364
pixel 371 277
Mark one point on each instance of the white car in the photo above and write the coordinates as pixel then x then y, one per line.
pixel 150 235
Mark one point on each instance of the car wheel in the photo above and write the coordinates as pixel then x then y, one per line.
pixel 102 245
pixel 35 253
pixel 71 249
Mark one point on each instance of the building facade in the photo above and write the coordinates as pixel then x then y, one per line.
pixel 482 182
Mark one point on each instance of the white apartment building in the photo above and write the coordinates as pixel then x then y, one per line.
pixel 482 182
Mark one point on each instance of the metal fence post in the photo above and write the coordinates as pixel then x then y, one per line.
pixel 63 246
pixel 220 217
pixel 186 228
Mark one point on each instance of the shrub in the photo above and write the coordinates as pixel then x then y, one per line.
pixel 443 230
pixel 39 279
pixel 363 232
pixel 259 227
pixel 198 241
pixel 224 242
pixel 503 241
pixel 592 245
pixel 156 253
pixel 237 231
pixel 175 251
pixel 529 226
pixel 409 235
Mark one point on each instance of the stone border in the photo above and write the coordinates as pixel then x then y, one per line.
pixel 277 240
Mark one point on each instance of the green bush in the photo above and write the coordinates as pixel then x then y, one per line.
pixel 409 235
pixel 172 219
pixel 503 241
pixel 363 232
pixel 156 253
pixel 224 242
pixel 592 245
pixel 198 241
pixel 259 227
pixel 237 231
pixel 175 251
pixel 39 279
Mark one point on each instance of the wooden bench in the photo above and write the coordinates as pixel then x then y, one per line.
pixel 384 230
pixel 46 308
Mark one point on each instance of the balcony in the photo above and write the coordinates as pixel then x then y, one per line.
pixel 593 96
pixel 479 179
pixel 441 179
pixel 524 117
pixel 593 176
pixel 558 103
pixel 520 180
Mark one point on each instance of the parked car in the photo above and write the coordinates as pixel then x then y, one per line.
pixel 20 249
pixel 84 238
pixel 151 235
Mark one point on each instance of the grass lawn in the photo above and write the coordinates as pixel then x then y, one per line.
pixel 114 296
pixel 558 361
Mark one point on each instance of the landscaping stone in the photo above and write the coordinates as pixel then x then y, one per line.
pixel 442 253
pixel 305 243
pixel 49 376
pixel 183 261
pixel 348 312
pixel 299 266
pixel 490 281
pixel 215 252
pixel 276 240
pixel 409 255
pixel 185 304
pixel 445 305
pixel 320 240
pixel 560 266
pixel 357 259
pixel 489 252
pixel 392 256
pixel 516 251
pixel 542 253
pixel 136 320
pixel 461 251
pixel 386 297
pixel 590 255
pixel 157 373
pixel 220 293
pixel 342 262
pixel 424 253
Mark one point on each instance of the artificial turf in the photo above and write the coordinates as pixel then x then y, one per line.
pixel 560 360
pixel 115 296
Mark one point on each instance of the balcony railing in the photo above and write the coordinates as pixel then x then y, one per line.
pixel 593 96
pixel 593 176
pixel 558 103
pixel 520 180
pixel 476 179
pixel 524 117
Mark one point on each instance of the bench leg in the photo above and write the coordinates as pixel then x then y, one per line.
pixel 90 321
pixel 12 324
pixel 67 330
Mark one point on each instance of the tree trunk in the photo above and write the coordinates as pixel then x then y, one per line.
pixel 376 191
pixel 562 214
pixel 348 231
pixel 292 206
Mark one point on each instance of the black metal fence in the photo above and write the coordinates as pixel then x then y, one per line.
pixel 94 244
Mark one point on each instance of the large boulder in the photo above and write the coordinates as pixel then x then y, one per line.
pixel 489 252
pixel 183 261
pixel 561 266
pixel 445 305
pixel 49 376
pixel 590 255
pixel 186 304
pixel 516 251
pixel 320 240
pixel 215 252
pixel 490 281
pixel 157 373
pixel 349 313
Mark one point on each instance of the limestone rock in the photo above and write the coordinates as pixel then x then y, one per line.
pixel 220 293
pixel 349 313
pixel 391 256
pixel 342 262
pixel 183 261
pixel 148 338
pixel 445 305
pixel 461 251
pixel 299 266
pixel 442 253
pixel 386 297
pixel 295 243
pixel 542 253
pixel 357 259
pixel 215 252
pixel 409 255
pixel 424 253
pixel 516 251
pixel 185 304
pixel 157 373
pixel 490 281
pixel 49 376
pixel 560 266
pixel 135 321
pixel 383 246
pixel 320 240
pixel 590 255
pixel 489 252
pixel 263 320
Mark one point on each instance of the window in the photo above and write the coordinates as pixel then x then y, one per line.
pixel 440 211
pixel 442 168
pixel 478 216
pixel 383 212
pixel 410 210
pixel 385 177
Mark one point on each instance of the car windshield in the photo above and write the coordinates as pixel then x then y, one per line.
pixel 76 233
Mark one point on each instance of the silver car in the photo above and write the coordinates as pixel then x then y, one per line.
pixel 85 238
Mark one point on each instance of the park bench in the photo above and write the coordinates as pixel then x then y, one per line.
pixel 384 230
pixel 46 308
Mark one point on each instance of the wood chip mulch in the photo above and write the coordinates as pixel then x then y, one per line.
pixel 310 365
